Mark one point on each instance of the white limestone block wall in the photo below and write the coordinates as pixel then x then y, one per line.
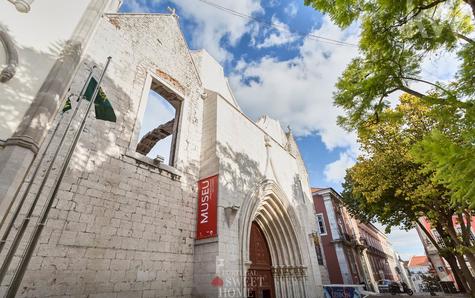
pixel 243 165
pixel 120 227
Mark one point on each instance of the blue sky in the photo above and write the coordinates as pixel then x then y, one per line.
pixel 158 108
pixel 284 71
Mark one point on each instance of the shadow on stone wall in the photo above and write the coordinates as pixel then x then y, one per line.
pixel 240 173
pixel 242 177
pixel 297 190
pixel 17 93
pixel 94 185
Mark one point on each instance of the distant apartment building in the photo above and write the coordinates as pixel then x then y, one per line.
pixel 404 275
pixel 419 266
pixel 379 251
pixel 354 252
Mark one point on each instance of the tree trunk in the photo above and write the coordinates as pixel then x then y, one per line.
pixel 429 235
pixel 461 244
pixel 465 223
pixel 459 278
pixel 472 4
pixel 450 242
pixel 466 272
pixel 465 229
pixel 467 280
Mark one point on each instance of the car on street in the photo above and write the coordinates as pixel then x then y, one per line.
pixel 383 285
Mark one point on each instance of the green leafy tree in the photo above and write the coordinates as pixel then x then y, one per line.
pixel 450 153
pixel 397 36
pixel 390 185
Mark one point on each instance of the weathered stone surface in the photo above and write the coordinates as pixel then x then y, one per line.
pixel 118 227
pixel 122 226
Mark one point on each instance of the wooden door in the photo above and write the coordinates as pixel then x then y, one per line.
pixel 260 282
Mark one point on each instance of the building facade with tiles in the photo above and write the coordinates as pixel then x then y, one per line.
pixel 227 212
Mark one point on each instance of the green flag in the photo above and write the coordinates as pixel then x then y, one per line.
pixel 102 105
pixel 67 105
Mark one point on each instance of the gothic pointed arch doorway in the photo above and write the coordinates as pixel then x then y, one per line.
pixel 269 210
pixel 260 282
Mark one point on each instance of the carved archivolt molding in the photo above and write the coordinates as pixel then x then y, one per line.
pixel 22 6
pixel 11 56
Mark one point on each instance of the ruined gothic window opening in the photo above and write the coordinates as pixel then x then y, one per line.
pixel 159 126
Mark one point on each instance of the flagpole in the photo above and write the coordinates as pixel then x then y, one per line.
pixel 20 272
pixel 35 173
pixel 30 166
pixel 21 230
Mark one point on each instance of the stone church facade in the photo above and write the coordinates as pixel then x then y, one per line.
pixel 124 224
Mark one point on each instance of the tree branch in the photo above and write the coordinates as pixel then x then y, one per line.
pixel 430 5
pixel 383 96
pixel 412 92
pixel 415 12
pixel 432 240
pixel 472 4
pixel 466 38
pixel 426 82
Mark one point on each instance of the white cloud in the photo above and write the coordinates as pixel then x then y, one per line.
pixel 406 243
pixel 335 171
pixel 291 9
pixel 298 91
pixel 212 24
pixel 280 36
pixel 137 6
pixel 440 67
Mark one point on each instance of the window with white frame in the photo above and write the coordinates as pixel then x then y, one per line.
pixel 158 129
pixel 321 224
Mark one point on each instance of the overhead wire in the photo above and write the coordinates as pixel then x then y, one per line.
pixel 278 26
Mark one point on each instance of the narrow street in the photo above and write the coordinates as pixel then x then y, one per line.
pixel 422 295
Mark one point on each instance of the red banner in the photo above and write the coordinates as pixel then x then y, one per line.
pixel 207 208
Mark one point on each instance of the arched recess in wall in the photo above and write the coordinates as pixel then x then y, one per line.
pixel 11 56
pixel 269 207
